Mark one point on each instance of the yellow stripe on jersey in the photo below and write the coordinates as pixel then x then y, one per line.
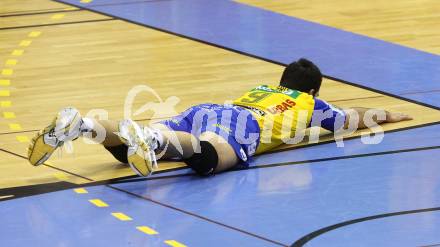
pixel 279 111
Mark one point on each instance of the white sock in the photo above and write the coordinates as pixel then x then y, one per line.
pixel 86 125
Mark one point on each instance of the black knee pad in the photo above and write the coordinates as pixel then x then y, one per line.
pixel 205 162
pixel 119 152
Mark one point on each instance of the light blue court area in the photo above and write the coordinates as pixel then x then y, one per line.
pixel 273 206
pixel 66 218
pixel 395 230
pixel 341 55
pixel 285 203
pixel 417 138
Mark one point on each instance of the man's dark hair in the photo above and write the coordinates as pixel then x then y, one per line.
pixel 302 75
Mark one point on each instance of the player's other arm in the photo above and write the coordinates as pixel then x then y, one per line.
pixel 333 118
pixel 378 116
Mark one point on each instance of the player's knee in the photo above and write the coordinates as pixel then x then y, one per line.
pixel 205 162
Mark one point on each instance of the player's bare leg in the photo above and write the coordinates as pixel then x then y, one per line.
pixel 142 142
pixel 183 145
pixel 173 145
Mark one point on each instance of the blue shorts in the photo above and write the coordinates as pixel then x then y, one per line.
pixel 235 124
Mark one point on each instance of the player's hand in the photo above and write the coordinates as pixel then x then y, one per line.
pixel 394 117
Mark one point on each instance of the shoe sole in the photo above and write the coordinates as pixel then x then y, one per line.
pixel 138 150
pixel 60 127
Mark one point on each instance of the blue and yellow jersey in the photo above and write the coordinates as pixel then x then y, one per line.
pixel 281 112
pixel 272 116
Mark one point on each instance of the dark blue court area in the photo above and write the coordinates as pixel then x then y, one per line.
pixel 319 195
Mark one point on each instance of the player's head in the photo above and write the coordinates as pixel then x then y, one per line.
pixel 302 75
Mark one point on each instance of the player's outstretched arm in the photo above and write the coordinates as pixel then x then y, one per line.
pixel 378 116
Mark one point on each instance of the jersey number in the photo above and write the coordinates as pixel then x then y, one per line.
pixel 255 97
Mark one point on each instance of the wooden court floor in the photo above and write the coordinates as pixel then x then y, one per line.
pixel 53 56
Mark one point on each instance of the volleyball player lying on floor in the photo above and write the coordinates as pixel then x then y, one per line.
pixel 211 138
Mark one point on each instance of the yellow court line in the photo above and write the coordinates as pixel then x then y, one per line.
pixel 174 243
pixel 121 216
pixel 7 71
pixel 81 191
pixel 25 42
pixel 11 62
pixel 61 176
pixel 8 115
pixel 22 138
pixel 57 16
pixel 86 1
pixel 147 230
pixel 15 126
pixel 5 93
pixel 17 52
pixel 98 203
pixel 70 8
pixel 5 82
pixel 5 103
pixel 34 34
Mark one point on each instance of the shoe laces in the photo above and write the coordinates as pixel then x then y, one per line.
pixel 151 141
